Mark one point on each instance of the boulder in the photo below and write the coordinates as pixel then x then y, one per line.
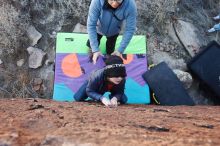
pixel 33 35
pixel 188 35
pixel 171 61
pixel 80 28
pixel 20 62
pixel 36 57
pixel 184 77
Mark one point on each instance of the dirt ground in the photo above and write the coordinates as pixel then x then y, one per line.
pixel 34 122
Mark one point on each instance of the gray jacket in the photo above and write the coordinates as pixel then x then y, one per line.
pixel 108 22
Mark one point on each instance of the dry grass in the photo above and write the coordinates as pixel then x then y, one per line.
pixel 8 17
pixel 165 9
pixel 75 8
pixel 12 29
pixel 157 12
pixel 16 85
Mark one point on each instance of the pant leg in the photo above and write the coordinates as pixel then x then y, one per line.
pixel 81 95
pixel 110 44
pixel 123 99
pixel 99 36
pixel 90 49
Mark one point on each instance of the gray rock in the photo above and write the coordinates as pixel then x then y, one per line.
pixel 167 49
pixel 48 62
pixel 173 63
pixel 53 35
pixel 1 61
pixel 184 77
pixel 187 34
pixel 151 29
pixel 162 46
pixel 33 35
pixel 36 57
pixel 80 28
pixel 20 62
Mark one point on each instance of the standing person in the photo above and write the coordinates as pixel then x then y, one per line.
pixel 111 79
pixel 216 27
pixel 105 18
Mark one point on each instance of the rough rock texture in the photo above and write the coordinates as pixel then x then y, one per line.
pixel 36 57
pixel 80 28
pixel 20 62
pixel 163 56
pixel 48 123
pixel 155 20
pixel 184 77
pixel 168 26
pixel 33 35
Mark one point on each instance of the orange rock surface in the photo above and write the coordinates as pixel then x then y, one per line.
pixel 34 122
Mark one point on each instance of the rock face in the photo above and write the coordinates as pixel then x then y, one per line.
pixel 35 23
pixel 171 61
pixel 184 77
pixel 187 34
pixel 48 123
pixel 20 62
pixel 80 28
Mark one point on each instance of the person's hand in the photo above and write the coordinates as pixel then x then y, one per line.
pixel 114 102
pixel 106 101
pixel 95 56
pixel 116 53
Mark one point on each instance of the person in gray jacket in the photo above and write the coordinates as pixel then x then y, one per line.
pixel 105 18
pixel 111 79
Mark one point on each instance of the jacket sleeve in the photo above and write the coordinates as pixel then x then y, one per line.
pixel 119 91
pixel 129 27
pixel 94 12
pixel 93 87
